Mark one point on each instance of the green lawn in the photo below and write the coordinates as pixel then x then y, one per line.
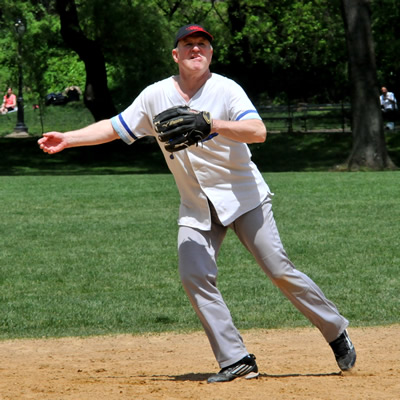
pixel 96 254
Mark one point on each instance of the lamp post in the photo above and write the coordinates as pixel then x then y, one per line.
pixel 20 29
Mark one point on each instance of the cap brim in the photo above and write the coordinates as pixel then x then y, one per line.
pixel 199 30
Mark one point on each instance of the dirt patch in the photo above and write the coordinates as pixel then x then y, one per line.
pixel 294 364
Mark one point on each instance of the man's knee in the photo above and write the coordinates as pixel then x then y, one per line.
pixel 277 265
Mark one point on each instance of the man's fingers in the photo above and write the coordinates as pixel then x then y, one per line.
pixel 50 143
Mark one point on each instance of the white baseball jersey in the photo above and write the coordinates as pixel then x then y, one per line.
pixel 219 168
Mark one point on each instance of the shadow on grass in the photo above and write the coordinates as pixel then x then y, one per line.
pixel 322 151
pixel 280 153
pixel 302 151
pixel 23 157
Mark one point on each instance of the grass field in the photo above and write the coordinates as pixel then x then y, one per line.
pixel 89 239
pixel 95 254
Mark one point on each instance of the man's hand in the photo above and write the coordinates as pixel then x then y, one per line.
pixel 52 142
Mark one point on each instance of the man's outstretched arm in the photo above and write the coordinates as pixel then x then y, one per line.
pixel 97 133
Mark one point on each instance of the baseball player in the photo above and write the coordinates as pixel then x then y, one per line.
pixel 203 122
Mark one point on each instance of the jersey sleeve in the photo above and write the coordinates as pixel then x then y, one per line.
pixel 240 106
pixel 225 99
pixel 136 121
pixel 133 123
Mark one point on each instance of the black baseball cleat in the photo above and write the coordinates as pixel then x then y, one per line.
pixel 246 368
pixel 344 351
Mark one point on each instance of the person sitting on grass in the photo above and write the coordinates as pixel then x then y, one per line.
pixel 9 102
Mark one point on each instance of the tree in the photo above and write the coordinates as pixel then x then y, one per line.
pixel 369 147
pixel 97 97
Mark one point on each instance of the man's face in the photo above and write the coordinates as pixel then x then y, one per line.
pixel 384 91
pixel 194 53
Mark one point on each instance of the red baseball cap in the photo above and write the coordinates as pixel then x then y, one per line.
pixel 189 30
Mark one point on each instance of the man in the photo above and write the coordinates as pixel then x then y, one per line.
pixel 220 187
pixel 388 107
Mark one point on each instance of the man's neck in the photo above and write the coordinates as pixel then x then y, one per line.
pixel 188 84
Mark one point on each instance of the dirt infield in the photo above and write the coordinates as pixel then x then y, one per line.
pixel 294 364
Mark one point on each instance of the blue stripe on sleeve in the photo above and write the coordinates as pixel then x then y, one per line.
pixel 126 127
pixel 248 112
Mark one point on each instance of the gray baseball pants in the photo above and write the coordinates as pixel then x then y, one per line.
pixel 198 253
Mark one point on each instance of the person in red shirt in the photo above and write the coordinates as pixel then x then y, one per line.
pixel 9 102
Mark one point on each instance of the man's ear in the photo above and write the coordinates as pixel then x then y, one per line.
pixel 175 55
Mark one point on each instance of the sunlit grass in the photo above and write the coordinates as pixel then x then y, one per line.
pixel 96 254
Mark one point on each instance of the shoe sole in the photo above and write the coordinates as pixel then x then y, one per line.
pixel 252 375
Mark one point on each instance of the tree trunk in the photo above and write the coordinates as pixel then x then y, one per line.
pixel 97 97
pixel 369 146
pixel 239 53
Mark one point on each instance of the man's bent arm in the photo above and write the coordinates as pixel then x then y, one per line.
pixel 247 131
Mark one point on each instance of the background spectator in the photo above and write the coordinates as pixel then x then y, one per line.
pixel 389 107
pixel 9 102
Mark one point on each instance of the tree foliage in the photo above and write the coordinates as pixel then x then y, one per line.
pixel 279 50
pixel 41 43
pixel 385 27
pixel 291 47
